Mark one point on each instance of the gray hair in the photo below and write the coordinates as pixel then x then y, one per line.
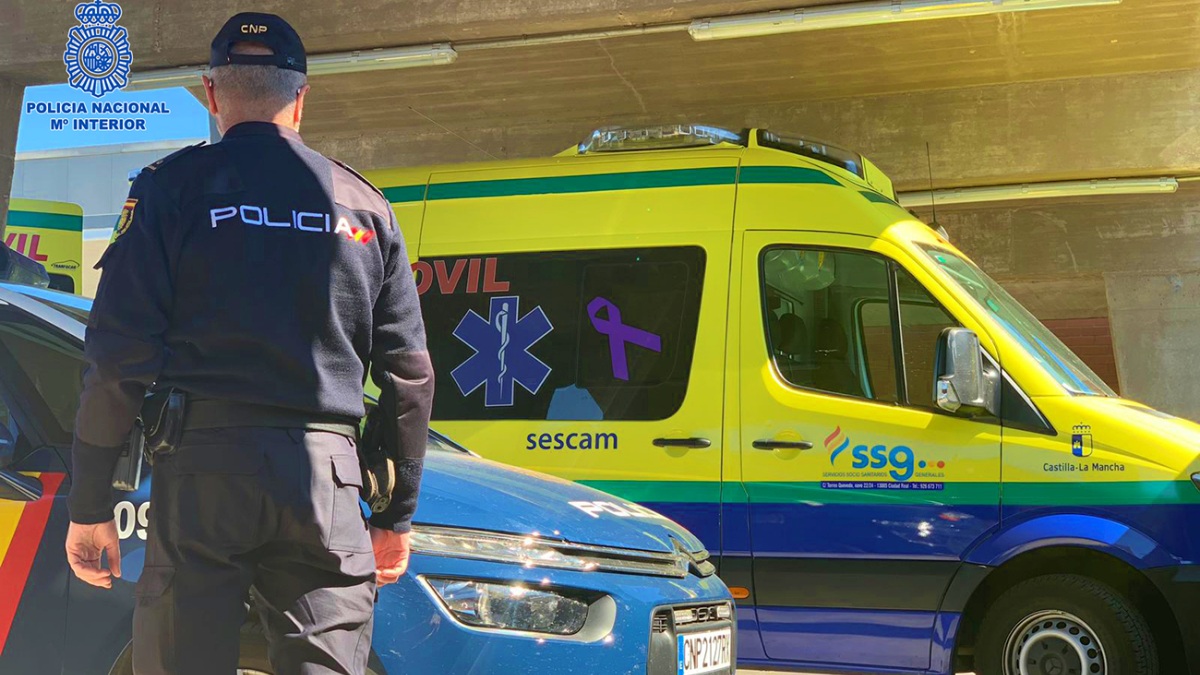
pixel 260 89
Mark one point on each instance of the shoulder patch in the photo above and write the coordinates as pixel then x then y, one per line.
pixel 359 176
pixel 153 166
pixel 124 220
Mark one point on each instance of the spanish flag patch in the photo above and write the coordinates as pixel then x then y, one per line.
pixel 124 220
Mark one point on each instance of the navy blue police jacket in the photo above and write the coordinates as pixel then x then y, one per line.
pixel 257 271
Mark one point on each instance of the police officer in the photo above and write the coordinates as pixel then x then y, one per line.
pixel 261 279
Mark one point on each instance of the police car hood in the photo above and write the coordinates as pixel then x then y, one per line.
pixel 458 490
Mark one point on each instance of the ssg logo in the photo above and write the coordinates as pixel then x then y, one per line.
pixel 502 359
pixel 98 55
pixel 899 460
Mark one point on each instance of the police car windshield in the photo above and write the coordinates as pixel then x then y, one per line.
pixel 1037 340
pixel 72 305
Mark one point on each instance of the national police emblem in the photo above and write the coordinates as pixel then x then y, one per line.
pixel 98 55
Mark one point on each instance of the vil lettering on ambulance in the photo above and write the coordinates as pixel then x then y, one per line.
pixel 899 462
pixel 449 276
pixel 32 252
pixel 501 359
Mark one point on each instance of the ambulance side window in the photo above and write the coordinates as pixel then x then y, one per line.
pixel 875 332
pixel 851 323
pixel 922 320
pixel 562 335
pixel 817 336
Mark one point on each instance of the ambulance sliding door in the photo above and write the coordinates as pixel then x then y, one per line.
pixel 576 325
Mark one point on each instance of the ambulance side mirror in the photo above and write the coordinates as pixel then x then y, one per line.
pixel 960 385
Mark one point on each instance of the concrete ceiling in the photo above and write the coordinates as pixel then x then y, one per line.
pixel 670 75
pixel 177 32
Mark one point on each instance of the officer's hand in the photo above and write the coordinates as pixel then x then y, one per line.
pixel 391 555
pixel 85 543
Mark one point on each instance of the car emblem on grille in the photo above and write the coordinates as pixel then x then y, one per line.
pixel 697 561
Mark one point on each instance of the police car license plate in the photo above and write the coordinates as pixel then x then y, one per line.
pixel 707 652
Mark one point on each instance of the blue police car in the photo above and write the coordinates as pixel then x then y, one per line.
pixel 511 572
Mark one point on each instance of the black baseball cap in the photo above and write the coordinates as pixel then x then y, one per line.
pixel 265 29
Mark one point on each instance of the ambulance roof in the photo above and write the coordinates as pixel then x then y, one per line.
pixel 613 146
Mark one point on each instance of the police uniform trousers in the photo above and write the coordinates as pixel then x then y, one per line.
pixel 273 509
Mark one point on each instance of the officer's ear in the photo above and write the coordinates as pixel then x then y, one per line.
pixel 298 113
pixel 210 94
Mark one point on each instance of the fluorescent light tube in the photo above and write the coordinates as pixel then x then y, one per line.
pixel 381 59
pixel 865 14
pixel 187 76
pixel 1066 188
pixel 318 64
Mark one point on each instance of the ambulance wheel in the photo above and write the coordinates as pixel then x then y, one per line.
pixel 1064 624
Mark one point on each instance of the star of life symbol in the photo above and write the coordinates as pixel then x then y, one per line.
pixel 98 55
pixel 502 359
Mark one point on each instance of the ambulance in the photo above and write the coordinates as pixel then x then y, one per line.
pixel 49 233
pixel 897 468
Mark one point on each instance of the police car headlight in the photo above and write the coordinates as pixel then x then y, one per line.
pixel 534 551
pixel 1196 480
pixel 511 606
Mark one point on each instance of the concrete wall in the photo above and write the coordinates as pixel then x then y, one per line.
pixel 1021 132
pixel 95 178
pixel 1155 324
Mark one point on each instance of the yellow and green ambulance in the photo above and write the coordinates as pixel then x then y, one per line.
pixel 902 470
pixel 51 234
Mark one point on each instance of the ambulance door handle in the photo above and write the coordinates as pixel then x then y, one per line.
pixel 682 443
pixel 772 444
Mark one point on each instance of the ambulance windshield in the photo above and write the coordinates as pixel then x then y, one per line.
pixel 1035 338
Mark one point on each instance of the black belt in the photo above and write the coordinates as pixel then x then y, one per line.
pixel 216 414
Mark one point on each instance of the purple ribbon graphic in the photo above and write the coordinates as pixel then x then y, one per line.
pixel 618 334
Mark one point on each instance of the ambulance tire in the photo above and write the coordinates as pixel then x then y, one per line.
pixel 252 660
pixel 1064 620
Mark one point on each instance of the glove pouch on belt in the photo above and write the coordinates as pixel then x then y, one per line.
pixel 378 469
pixel 162 416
